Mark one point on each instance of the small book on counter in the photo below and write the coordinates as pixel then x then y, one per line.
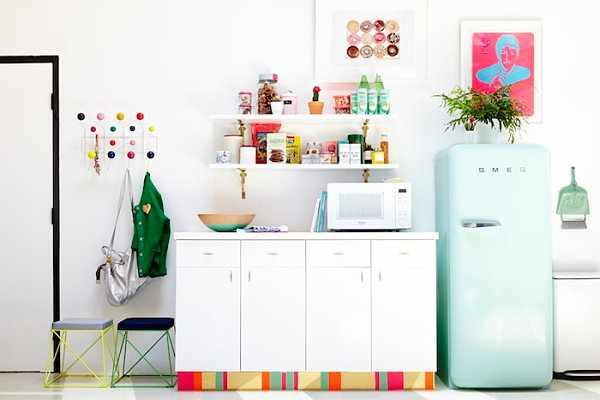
pixel 253 229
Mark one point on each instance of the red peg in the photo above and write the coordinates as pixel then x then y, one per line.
pixel 140 116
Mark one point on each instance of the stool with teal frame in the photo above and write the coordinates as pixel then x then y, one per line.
pixel 97 326
pixel 163 327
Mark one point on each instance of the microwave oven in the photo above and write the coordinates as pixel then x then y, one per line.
pixel 368 206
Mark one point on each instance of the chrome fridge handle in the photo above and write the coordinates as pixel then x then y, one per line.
pixel 481 224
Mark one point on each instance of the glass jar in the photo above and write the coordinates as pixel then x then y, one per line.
pixel 266 91
pixel 244 109
pixel 244 99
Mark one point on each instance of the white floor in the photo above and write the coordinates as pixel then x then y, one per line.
pixel 21 386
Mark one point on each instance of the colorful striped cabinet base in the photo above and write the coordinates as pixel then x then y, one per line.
pixel 305 380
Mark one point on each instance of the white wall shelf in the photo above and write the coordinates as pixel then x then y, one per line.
pixel 304 118
pixel 362 120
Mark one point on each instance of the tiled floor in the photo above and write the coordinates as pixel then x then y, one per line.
pixel 29 386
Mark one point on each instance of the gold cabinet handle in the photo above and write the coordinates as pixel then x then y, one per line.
pixel 362 276
pixel 208 254
pixel 272 254
pixel 403 253
pixel 338 253
pixel 249 276
pixel 230 276
pixel 379 276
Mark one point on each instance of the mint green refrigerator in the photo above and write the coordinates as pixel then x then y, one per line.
pixel 493 215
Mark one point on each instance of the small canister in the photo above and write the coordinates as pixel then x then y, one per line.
pixel 244 109
pixel 290 102
pixel 353 102
pixel 372 101
pixel 244 99
pixel 247 155
pixel 232 144
pixel 384 101
pixel 378 157
pixel 223 156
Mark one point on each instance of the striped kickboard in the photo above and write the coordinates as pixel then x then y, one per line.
pixel 305 380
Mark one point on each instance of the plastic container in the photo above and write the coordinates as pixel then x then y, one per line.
pixel 245 98
pixel 353 102
pixel 325 157
pixel 372 101
pixel 266 91
pixel 290 102
pixel 361 97
pixel 377 157
pixel 384 101
pixel 244 109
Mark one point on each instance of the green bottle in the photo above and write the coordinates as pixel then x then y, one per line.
pixel 378 84
pixel 364 83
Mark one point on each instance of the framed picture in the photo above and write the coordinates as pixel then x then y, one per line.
pixel 498 53
pixel 355 37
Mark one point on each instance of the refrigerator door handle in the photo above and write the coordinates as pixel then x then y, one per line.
pixel 480 224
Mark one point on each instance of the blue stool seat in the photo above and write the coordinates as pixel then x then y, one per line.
pixel 146 324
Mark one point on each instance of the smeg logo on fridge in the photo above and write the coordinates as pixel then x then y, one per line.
pixel 501 170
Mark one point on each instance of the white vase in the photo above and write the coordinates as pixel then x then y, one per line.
pixel 485 134
pixel 469 137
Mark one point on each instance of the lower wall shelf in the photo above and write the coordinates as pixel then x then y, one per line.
pixel 299 167
pixel 302 380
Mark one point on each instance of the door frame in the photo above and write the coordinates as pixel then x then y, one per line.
pixel 54 104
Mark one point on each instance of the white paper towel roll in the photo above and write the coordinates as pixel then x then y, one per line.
pixel 248 155
pixel 233 143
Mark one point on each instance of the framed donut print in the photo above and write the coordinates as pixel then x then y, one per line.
pixel 355 37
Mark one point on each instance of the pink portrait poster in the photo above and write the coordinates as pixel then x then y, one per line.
pixel 501 59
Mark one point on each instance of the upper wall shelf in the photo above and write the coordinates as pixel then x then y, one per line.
pixel 304 118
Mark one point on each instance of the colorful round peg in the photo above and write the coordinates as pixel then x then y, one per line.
pixel 140 116
pixel 111 154
pixel 120 116
pixel 93 129
pixel 112 142
pixel 150 155
pixel 130 155
pixel 91 154
pixel 113 128
pixel 100 116
pixel 151 128
pixel 132 128
pixel 132 142
pixel 81 116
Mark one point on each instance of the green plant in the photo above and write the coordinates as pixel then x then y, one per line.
pixel 473 106
pixel 316 91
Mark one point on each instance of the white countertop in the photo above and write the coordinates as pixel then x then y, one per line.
pixel 305 235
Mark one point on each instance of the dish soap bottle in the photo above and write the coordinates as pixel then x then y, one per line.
pixel 364 83
pixel 383 143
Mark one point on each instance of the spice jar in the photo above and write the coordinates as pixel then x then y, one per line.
pixel 266 91
pixel 244 109
pixel 244 99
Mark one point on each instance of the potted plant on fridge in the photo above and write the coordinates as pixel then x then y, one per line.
pixel 477 111
pixel 315 106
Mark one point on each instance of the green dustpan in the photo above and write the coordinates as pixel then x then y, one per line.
pixel 573 205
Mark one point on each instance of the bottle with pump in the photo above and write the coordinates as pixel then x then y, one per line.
pixel 383 143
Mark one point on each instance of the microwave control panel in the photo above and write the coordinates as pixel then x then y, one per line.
pixel 403 206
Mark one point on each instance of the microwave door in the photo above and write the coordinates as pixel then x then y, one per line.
pixel 367 209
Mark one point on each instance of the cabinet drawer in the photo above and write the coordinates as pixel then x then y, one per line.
pixel 338 253
pixel 208 253
pixel 273 253
pixel 403 253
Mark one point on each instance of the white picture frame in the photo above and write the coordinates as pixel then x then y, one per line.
pixel 477 37
pixel 332 63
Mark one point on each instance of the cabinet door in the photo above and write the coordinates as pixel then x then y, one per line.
pixel 208 319
pixel 338 319
pixel 273 319
pixel 404 331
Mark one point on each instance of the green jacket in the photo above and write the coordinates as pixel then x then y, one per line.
pixel 152 231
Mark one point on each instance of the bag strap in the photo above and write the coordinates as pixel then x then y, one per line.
pixel 125 186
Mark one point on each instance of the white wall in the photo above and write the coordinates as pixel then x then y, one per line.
pixel 180 61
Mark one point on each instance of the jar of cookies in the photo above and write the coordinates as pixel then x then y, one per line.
pixel 266 91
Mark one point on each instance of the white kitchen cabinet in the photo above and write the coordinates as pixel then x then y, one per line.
pixel 362 301
pixel 273 306
pixel 403 308
pixel 338 319
pixel 208 326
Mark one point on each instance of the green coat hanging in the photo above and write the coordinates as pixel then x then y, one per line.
pixel 152 232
